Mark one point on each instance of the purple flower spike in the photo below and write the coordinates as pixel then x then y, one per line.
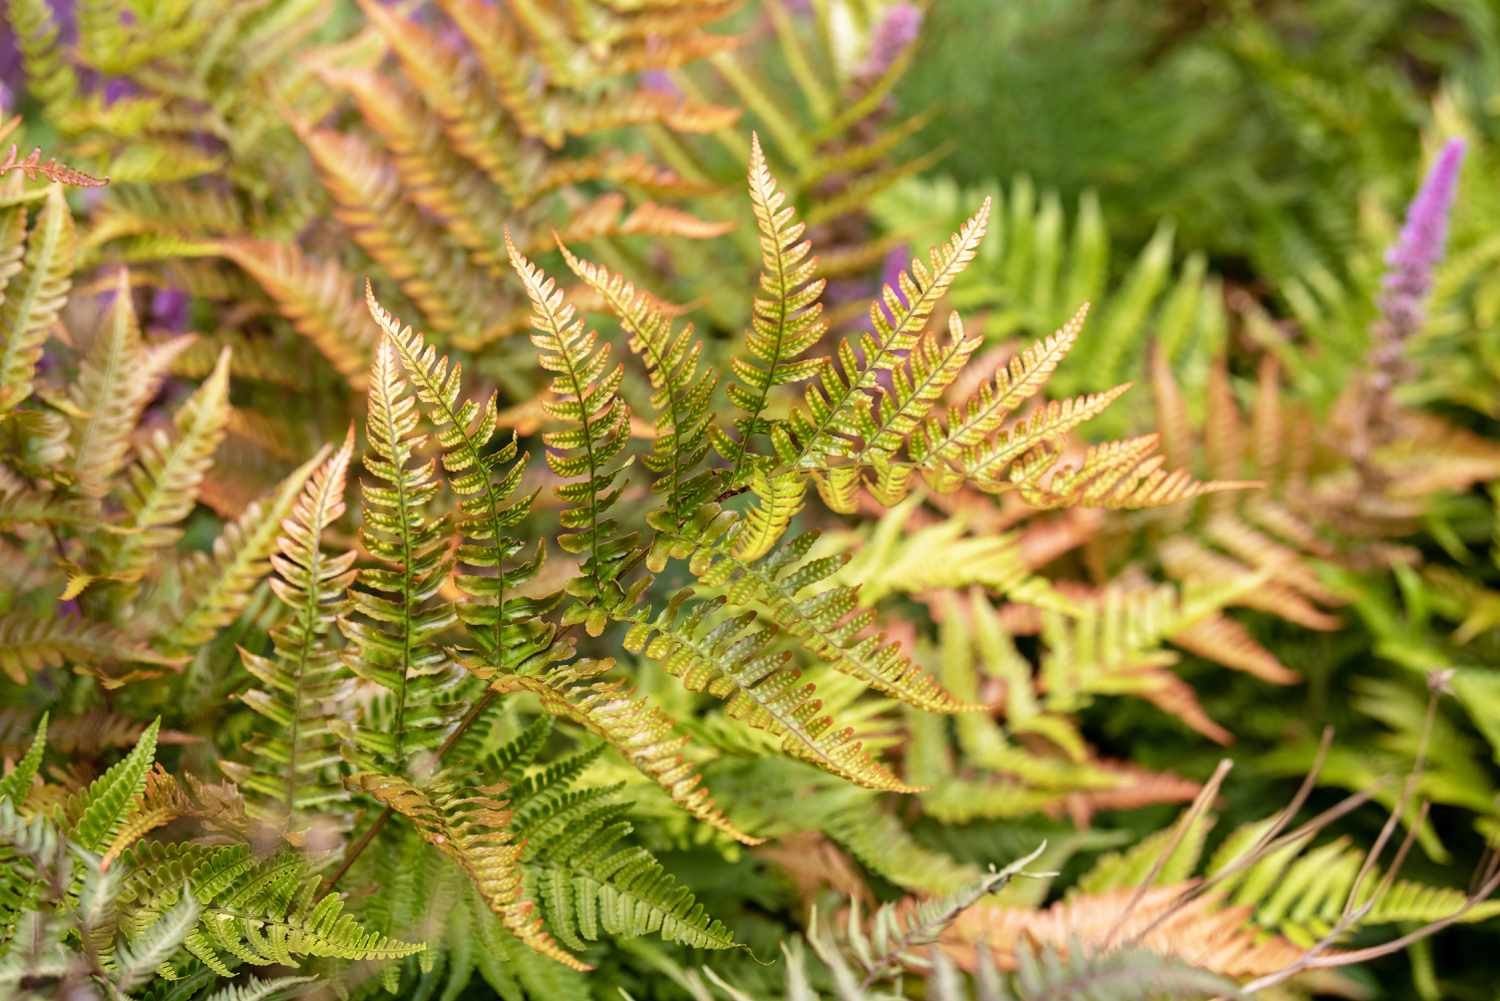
pixel 1409 263
pixel 897 30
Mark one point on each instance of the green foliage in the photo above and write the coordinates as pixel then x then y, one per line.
pixel 915 592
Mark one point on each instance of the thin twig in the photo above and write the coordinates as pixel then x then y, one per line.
pixel 1201 803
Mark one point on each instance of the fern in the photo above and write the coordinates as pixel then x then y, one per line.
pixel 34 295
pixel 395 621
pixel 470 826
pixel 288 779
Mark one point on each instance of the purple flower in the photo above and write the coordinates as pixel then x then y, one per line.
pixel 1409 263
pixel 661 82
pixel 169 309
pixel 897 30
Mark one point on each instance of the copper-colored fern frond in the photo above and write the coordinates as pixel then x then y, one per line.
pixel 1206 933
pixel 35 169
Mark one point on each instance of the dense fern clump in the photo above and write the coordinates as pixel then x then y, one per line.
pixel 473 523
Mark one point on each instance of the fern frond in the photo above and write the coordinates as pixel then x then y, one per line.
pixel 938 442
pixel 315 296
pixel 501 622
pixel 733 658
pixel 286 776
pixel 34 296
pixel 142 955
pixel 218 587
pixel 631 724
pixel 827 620
pixel 471 827
pixel 682 397
pixel 1202 934
pixel 585 395
pixel 830 425
pixel 116 381
pixel 16 786
pixel 1117 474
pixel 587 878
pixel 395 621
pixel 787 314
pixel 165 480
pixel 31 644
pixel 95 815
pixel 33 168
pixel 260 990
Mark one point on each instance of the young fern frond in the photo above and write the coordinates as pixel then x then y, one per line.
pixel 786 316
pixel 584 395
pixel 395 621
pixel 830 425
pixel 472 827
pixel 504 626
pixel 287 777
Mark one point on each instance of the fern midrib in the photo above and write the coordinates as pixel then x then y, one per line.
pixel 399 464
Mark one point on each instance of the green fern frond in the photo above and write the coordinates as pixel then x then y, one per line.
pixel 286 775
pixel 585 396
pixel 95 814
pixel 502 623
pixel 682 396
pixel 16 786
pixel 786 318
pixel 395 621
